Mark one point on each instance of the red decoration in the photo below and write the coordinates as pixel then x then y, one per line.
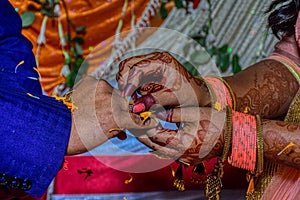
pixel 195 3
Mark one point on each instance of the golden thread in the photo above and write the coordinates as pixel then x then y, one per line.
pixel 37 71
pixel 185 163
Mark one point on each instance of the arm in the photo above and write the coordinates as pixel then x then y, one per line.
pixel 266 88
pixel 186 143
pixel 100 108
pixel 277 135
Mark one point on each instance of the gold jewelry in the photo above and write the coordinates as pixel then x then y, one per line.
pixel 213 180
pixel 260 146
pixel 252 191
pixel 231 93
pixel 179 181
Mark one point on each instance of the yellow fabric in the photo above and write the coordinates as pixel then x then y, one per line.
pixel 101 18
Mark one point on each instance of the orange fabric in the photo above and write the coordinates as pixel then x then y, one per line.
pixel 101 18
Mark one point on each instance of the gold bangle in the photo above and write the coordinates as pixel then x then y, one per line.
pixel 210 90
pixel 231 94
pixel 213 180
pixel 228 134
pixel 260 146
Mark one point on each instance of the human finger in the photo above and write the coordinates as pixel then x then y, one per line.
pixel 168 138
pixel 144 72
pixel 159 150
pixel 129 67
pixel 176 115
pixel 143 103
pixel 162 69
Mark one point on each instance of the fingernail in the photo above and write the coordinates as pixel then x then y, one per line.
pixel 140 107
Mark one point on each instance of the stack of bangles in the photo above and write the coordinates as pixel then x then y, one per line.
pixel 243 134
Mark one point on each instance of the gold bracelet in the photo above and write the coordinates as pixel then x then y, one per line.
pixel 260 146
pixel 231 93
pixel 213 180
pixel 228 134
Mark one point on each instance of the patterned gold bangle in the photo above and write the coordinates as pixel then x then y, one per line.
pixel 228 134
pixel 231 94
pixel 211 92
pixel 213 180
pixel 260 146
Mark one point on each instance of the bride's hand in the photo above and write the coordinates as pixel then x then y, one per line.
pixel 199 137
pixel 162 76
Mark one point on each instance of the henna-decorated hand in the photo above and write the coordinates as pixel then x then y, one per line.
pixel 199 137
pixel 100 109
pixel 162 76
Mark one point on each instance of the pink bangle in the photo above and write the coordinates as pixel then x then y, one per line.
pixel 243 153
pixel 219 91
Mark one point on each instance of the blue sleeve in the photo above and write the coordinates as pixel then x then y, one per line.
pixel 34 129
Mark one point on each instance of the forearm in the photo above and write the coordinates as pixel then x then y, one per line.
pixel 277 136
pixel 266 88
pixel 86 132
pixel 84 138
